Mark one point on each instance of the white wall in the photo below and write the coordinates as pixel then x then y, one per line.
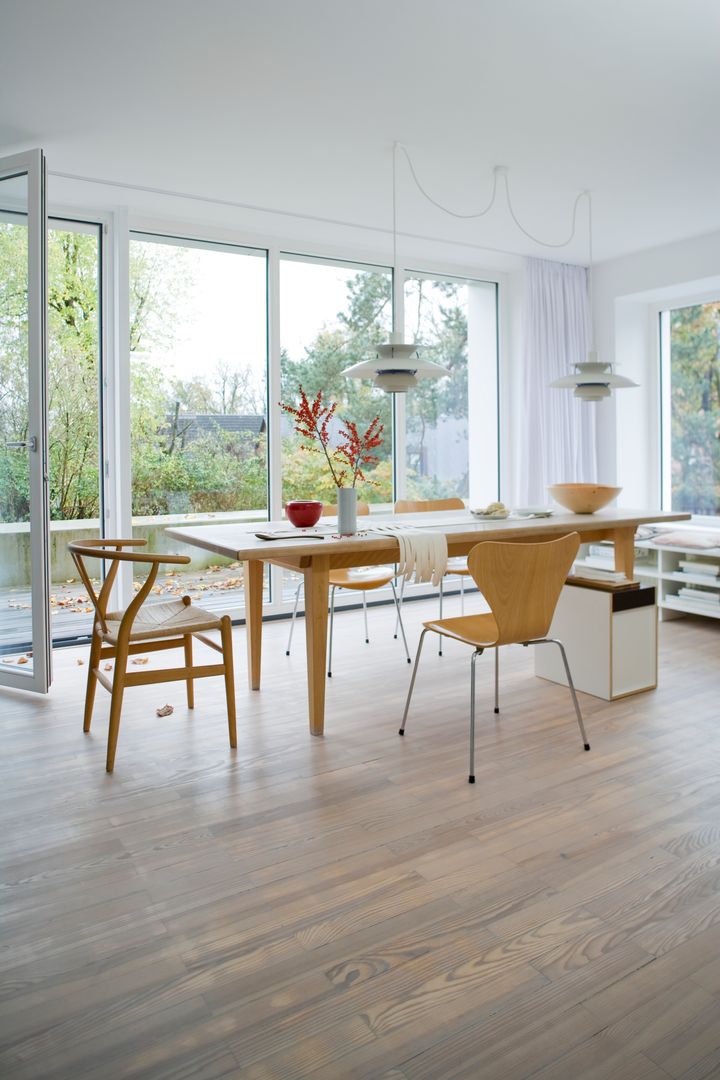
pixel 628 294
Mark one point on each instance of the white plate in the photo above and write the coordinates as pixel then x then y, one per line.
pixel 533 512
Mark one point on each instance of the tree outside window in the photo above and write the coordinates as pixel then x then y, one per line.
pixel 695 408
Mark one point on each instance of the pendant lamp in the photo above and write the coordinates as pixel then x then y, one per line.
pixel 396 367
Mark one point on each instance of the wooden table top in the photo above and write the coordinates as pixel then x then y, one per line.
pixel 238 541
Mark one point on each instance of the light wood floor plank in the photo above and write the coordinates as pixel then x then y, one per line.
pixel 349 906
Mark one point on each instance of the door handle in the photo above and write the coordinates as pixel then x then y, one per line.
pixel 31 444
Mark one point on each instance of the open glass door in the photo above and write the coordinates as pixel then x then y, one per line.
pixel 25 655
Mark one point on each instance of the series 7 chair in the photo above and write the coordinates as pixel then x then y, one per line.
pixel 361 579
pixel 166 624
pixel 456 567
pixel 521 583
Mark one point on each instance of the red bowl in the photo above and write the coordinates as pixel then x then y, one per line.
pixel 303 514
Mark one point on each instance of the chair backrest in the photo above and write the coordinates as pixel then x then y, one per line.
pixel 422 506
pixel 330 509
pixel 112 551
pixel 522 583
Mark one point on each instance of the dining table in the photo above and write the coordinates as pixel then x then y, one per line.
pixel 314 553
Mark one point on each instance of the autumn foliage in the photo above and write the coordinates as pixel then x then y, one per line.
pixel 354 453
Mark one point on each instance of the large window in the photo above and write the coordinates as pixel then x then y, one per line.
pixel 333 315
pixel 198 389
pixel 691 413
pixel 198 422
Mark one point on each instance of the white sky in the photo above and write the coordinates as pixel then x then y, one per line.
pixel 223 318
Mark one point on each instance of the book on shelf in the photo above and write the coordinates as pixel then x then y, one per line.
pixel 711 570
pixel 702 596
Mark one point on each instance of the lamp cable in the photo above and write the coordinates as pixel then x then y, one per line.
pixel 499 170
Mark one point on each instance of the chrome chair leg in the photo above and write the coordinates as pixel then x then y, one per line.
pixel 440 637
pixel 471 775
pixel 332 620
pixel 367 639
pixel 412 681
pixel 399 621
pixel 462 594
pixel 292 621
pixel 397 617
pixel 497 679
pixel 571 684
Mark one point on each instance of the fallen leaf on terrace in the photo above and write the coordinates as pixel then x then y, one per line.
pixel 107 667
pixel 166 710
pixel 139 660
pixel 80 662
pixel 22 660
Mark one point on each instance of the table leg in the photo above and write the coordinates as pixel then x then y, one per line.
pixel 254 575
pixel 625 551
pixel 316 619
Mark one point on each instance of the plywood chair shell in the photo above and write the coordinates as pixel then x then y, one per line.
pixel 522 583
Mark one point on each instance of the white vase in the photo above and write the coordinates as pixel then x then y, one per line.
pixel 347 511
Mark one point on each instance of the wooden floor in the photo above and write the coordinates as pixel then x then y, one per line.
pixel 350 906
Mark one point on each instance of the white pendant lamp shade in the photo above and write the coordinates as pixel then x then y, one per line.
pixel 396 368
pixel 592 380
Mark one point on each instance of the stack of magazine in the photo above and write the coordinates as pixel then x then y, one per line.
pixel 598 569
pixel 697 572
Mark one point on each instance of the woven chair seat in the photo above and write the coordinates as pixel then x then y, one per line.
pixel 167 618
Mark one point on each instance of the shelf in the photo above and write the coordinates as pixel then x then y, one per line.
pixel 662 567
pixel 713 553
pixel 694 579
pixel 675 603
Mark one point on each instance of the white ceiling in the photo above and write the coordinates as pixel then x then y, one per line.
pixel 295 104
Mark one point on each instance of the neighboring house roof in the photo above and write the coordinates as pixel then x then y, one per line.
pixel 192 425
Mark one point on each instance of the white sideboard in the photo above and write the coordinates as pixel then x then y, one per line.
pixel 610 638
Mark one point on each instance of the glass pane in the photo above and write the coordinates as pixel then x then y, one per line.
pixel 453 323
pixel 695 408
pixel 73 415
pixel 332 316
pixel 16 608
pixel 437 409
pixel 198 339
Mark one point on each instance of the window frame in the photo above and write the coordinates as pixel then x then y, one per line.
pixel 119 225
pixel 661 323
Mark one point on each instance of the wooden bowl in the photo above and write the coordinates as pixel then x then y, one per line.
pixel 583 498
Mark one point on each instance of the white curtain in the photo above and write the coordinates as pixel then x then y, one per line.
pixel 557 437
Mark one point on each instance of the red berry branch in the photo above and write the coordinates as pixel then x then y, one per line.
pixel 357 450
pixel 353 455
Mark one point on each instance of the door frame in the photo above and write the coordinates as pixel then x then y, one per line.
pixel 31 163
